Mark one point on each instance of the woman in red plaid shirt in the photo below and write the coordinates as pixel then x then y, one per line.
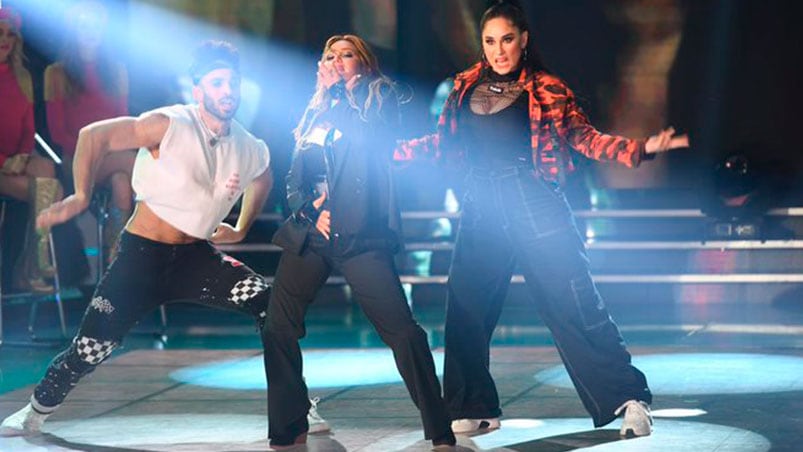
pixel 513 125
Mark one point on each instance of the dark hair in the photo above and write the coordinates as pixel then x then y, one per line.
pixel 513 11
pixel 211 55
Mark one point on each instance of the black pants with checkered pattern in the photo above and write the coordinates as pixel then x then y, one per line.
pixel 145 275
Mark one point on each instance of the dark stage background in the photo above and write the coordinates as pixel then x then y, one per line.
pixel 722 70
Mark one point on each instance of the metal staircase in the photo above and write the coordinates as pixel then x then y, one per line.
pixel 665 254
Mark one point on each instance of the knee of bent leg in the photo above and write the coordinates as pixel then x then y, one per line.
pixel 411 333
pixel 251 293
pixel 89 352
pixel 281 331
pixel 279 327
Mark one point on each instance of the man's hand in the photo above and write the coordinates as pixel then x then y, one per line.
pixel 62 211
pixel 225 233
pixel 665 141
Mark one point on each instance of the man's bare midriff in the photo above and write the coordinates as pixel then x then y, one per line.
pixel 147 224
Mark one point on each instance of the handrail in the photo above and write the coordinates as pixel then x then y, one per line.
pixel 721 245
pixel 585 213
pixel 47 148
pixel 696 278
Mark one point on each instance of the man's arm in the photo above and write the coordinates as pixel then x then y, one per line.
pixel 118 134
pixel 253 199
pixel 94 142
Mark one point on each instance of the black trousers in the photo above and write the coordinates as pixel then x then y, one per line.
pixel 375 284
pixel 512 216
pixel 145 275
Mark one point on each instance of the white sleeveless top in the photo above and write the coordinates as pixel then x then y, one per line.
pixel 197 178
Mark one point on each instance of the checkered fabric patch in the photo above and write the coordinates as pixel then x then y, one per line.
pixel 93 351
pixel 247 289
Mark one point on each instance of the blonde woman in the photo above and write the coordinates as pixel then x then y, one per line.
pixel 345 219
pixel 24 175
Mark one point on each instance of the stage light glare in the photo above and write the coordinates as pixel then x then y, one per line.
pixel 707 373
pixel 678 412
pixel 322 369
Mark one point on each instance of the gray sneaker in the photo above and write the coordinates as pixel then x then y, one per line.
pixel 637 419
pixel 26 421
pixel 317 424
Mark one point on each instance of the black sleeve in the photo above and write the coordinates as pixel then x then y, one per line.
pixel 299 196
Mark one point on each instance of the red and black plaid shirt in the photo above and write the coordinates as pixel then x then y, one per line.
pixel 557 124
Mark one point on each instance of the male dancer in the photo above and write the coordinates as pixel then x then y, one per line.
pixel 194 163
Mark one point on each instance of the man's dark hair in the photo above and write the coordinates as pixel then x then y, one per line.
pixel 211 55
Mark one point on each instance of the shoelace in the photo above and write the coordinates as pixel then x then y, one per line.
pixel 314 407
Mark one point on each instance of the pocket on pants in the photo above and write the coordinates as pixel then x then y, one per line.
pixel 589 303
pixel 545 207
pixel 470 215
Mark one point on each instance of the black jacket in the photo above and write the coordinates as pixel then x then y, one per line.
pixel 364 212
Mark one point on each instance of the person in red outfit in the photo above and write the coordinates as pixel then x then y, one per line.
pixel 24 175
pixel 86 85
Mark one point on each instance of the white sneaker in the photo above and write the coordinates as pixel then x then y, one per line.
pixel 317 424
pixel 474 425
pixel 24 422
pixel 637 419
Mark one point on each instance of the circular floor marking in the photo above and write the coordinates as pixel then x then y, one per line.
pixel 707 373
pixel 578 434
pixel 322 369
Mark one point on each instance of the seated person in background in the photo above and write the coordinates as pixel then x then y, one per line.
pixel 24 175
pixel 86 85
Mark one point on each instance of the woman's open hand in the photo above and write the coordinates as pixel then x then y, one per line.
pixel 324 218
pixel 666 140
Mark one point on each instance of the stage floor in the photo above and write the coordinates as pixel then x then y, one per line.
pixel 733 384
